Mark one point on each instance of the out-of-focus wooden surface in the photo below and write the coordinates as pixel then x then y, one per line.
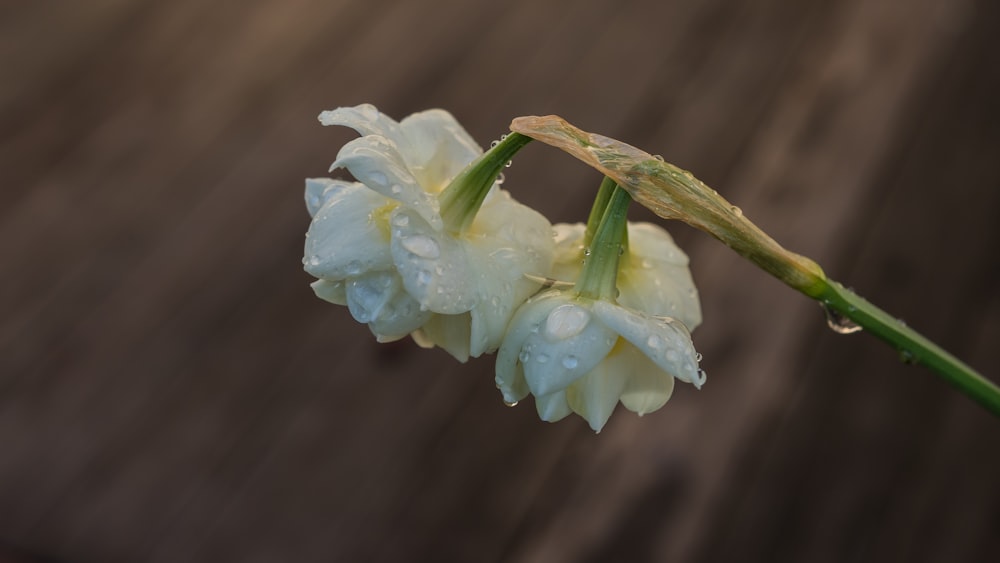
pixel 171 390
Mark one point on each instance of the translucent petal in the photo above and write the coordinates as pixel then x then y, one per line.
pixel 552 407
pixel 366 119
pixel 433 265
pixel 438 148
pixel 376 162
pixel 399 317
pixel 321 190
pixel 368 294
pixel 552 364
pixel 656 278
pixel 507 242
pixel 569 249
pixel 647 386
pixel 450 332
pixel 333 291
pixel 665 341
pixel 344 238
pixel 525 322
pixel 595 396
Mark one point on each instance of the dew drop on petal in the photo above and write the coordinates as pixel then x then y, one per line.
pixel 423 277
pixel 524 356
pixel 672 355
pixel 422 246
pixel 378 178
pixel 353 268
pixel 396 189
pixel 314 260
pixel 510 403
pixel 570 362
pixel 566 321
pixel 542 358
pixel 654 341
pixel 697 356
pixel 401 221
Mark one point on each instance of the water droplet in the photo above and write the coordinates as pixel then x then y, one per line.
pixel 838 322
pixel 702 376
pixel 494 143
pixel 542 358
pixel 396 189
pixel 509 163
pixel 510 403
pixel 439 270
pixel 314 260
pixel 586 251
pixel 353 268
pixel 736 211
pixel 907 357
pixel 378 178
pixel 423 277
pixel 570 362
pixel 654 341
pixel 504 136
pixel 621 250
pixel 495 301
pixel 671 355
pixel 500 179
pixel 422 245
pixel 697 356
pixel 401 220
pixel 524 356
pixel 658 157
pixel 566 321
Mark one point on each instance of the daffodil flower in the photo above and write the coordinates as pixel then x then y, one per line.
pixel 585 348
pixel 421 244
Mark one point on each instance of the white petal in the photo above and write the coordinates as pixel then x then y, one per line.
pixel 438 148
pixel 664 341
pixel 321 190
pixel 553 361
pixel 333 291
pixel 369 293
pixel 376 162
pixel 568 251
pixel 345 239
pixel 525 322
pixel 507 243
pixel 595 396
pixel 366 119
pixel 647 386
pixel 552 407
pixel 400 316
pixel 450 332
pixel 433 265
pixel 656 279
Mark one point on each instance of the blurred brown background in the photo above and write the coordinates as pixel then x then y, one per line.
pixel 171 390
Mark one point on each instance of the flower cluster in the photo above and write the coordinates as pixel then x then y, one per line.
pixel 425 243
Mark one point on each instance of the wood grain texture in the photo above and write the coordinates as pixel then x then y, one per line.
pixel 171 390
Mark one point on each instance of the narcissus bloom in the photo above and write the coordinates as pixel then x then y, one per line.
pixel 584 353
pixel 451 274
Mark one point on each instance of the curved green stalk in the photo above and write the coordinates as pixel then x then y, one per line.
pixel 673 193
pixel 913 347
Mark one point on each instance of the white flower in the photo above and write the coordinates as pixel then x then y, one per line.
pixel 381 247
pixel 653 275
pixel 576 354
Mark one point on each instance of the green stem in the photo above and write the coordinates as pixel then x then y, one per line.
pixel 597 210
pixel 913 347
pixel 599 276
pixel 460 201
